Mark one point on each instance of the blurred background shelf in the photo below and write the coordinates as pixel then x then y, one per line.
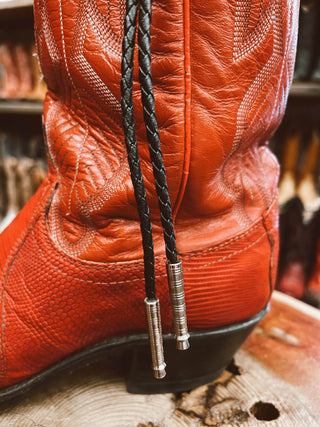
pixel 305 89
pixel 20 107
pixel 13 4
pixel 17 13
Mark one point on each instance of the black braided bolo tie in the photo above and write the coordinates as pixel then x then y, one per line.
pixel 174 267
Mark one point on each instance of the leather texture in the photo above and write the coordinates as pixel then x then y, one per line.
pixel 71 262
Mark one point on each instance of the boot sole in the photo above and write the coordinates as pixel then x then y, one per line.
pixel 210 353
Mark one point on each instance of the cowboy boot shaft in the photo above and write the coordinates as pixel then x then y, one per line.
pixel 79 46
pixel 221 73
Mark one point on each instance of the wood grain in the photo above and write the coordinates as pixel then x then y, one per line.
pixel 273 381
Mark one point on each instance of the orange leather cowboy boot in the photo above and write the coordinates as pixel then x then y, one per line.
pixel 72 268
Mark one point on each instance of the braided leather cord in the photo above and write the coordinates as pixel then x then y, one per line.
pixel 128 44
pixel 152 129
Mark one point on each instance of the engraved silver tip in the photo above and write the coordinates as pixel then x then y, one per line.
pixel 182 342
pixel 152 307
pixel 160 372
pixel 183 345
pixel 176 287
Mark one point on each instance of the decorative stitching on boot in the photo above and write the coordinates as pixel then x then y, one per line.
pixel 232 182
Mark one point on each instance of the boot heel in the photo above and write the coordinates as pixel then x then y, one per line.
pixel 209 354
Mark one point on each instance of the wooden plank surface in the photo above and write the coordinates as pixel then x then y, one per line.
pixel 273 381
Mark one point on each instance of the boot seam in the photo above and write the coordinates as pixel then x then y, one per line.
pixel 187 107
pixel 137 279
pixel 237 237
pixel 121 265
pixel 124 266
pixel 232 254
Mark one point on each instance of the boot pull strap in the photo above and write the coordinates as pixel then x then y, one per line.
pixel 174 267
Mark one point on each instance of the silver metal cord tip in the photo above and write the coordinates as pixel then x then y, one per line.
pixel 176 286
pixel 183 343
pixel 160 372
pixel 152 307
